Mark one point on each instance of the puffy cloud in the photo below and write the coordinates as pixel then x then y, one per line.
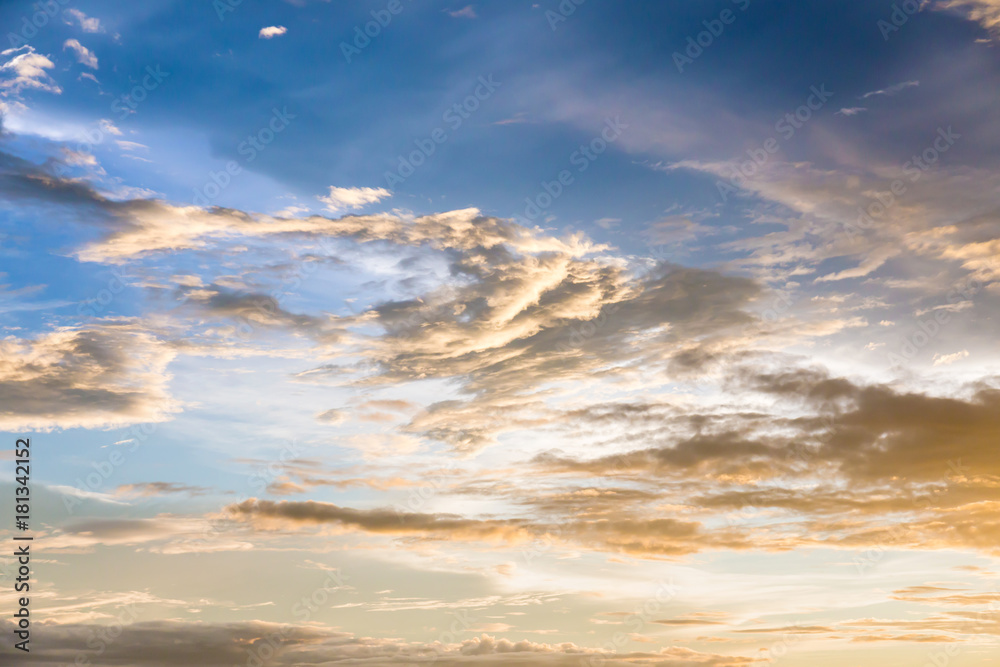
pixel 520 309
pixel 945 359
pixel 138 227
pixel 85 376
pixel 24 69
pixel 351 199
pixel 272 31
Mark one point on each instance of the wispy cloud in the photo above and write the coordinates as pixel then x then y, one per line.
pixel 86 23
pixel 891 90
pixel 467 12
pixel 83 55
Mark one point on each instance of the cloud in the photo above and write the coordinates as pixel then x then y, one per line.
pixel 86 23
pixel 171 643
pixel 79 159
pixel 891 90
pixel 851 111
pixel 941 216
pixel 384 521
pixel 83 56
pixel 350 199
pixel 89 377
pixel 786 475
pixel 25 70
pixel 131 146
pixel 139 227
pixel 467 12
pixel 697 618
pixel 153 489
pixel 945 359
pixel 639 536
pixel 985 12
pixel 109 127
pixel 938 595
pixel 252 310
pixel 272 31
pixel 332 416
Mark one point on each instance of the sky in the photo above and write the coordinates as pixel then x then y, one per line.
pixel 562 334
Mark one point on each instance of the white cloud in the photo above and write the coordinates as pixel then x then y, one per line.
pixel 78 158
pixel 891 90
pixel 945 359
pixel 349 199
pixel 88 24
pixel 109 127
pixel 851 111
pixel 131 146
pixel 83 55
pixel 272 31
pixel 26 69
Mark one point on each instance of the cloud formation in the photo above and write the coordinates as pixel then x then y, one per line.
pixel 92 377
pixel 25 69
pixel 272 31
pixel 178 643
pixel 351 199
pixel 83 56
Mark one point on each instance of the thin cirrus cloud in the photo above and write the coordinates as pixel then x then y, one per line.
pixel 891 90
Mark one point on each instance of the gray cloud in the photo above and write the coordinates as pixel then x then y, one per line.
pixel 87 376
